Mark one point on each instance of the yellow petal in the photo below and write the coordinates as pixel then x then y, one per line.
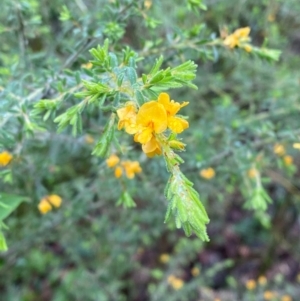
pixel 242 32
pixel 177 124
pixel 44 206
pixel 152 148
pixel 152 115
pixel 55 200
pixel 5 158
pixel 118 172
pixel 144 135
pixel 112 161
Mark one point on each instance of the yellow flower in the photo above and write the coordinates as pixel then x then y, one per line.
pixel 5 158
pixel 147 4
pixel 250 284
pixel 207 173
pixel 48 201
pixel 252 173
pixel 54 200
pixel 239 38
pixel 131 168
pixel 279 149
pixel 112 161
pixel 44 206
pixel 175 282
pixel 262 280
pixel 89 139
pixel 152 148
pixel 288 160
pixel 127 118
pixel 151 118
pixel 296 145
pixel 164 258
pixel 88 65
pixel 118 172
pixel 195 271
pixel 286 298
pixel 268 295
pixel 175 124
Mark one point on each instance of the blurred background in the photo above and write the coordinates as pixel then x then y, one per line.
pixel 242 147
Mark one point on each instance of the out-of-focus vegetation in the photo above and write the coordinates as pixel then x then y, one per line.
pixel 67 238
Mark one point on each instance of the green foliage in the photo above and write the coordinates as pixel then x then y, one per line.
pixel 241 104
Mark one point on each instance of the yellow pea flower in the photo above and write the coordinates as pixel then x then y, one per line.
pixel 279 149
pixel 175 282
pixel 5 158
pixel 296 145
pixel 250 284
pixel 88 65
pixel 44 206
pixel 239 38
pixel 175 124
pixel 131 168
pixel 262 280
pixel 118 172
pixel 164 258
pixel 286 298
pixel 288 160
pixel 55 200
pixel 207 173
pixel 195 271
pixel 152 148
pixel 252 172
pixel 48 201
pixel 151 118
pixel 112 161
pixel 127 118
pixel 268 295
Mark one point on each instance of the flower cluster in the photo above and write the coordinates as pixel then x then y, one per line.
pixel 129 167
pixel 175 282
pixel 5 158
pixel 240 38
pixel 151 119
pixel 48 201
pixel 207 173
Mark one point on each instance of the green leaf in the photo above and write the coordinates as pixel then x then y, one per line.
pixel 3 245
pixel 8 203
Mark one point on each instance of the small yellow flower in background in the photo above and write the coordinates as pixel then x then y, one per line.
pixel 5 158
pixel 44 206
pixel 47 202
pixel 279 149
pixel 239 38
pixel 131 168
pixel 148 4
pixel 268 295
pixel 262 280
pixel 207 173
pixel 252 173
pixel 288 160
pixel 296 145
pixel 164 258
pixel 175 282
pixel 217 299
pixel 88 65
pixel 271 17
pixel 127 118
pixel 118 172
pixel 286 298
pixel 250 284
pixel 112 161
pixel 54 200
pixel 195 271
pixel 89 139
